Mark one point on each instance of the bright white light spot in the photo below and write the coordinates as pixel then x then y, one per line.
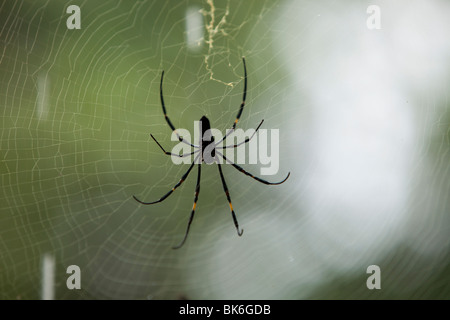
pixel 194 28
pixel 43 92
pixel 48 277
pixel 362 130
pixel 266 264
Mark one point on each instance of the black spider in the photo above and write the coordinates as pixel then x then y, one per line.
pixel 208 144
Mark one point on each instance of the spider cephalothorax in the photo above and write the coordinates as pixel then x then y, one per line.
pixel 208 149
pixel 208 153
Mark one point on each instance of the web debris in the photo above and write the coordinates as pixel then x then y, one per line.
pixel 212 30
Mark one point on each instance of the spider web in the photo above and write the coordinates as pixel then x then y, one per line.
pixel 364 130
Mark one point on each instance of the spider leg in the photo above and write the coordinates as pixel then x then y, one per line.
pixel 225 188
pixel 183 178
pixel 241 108
pixel 197 191
pixel 249 174
pixel 180 138
pixel 241 143
pixel 174 154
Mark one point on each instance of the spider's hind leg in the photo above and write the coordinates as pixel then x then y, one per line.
pixel 183 178
pixel 197 191
pixel 227 193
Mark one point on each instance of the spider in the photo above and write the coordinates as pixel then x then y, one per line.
pixel 207 144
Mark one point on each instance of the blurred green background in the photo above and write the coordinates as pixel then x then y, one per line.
pixel 364 124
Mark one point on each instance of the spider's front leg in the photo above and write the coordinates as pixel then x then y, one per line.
pixel 241 143
pixel 174 154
